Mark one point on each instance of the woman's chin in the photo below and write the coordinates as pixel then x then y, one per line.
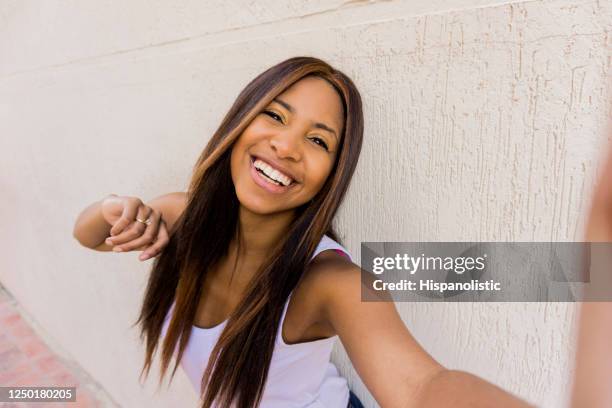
pixel 260 207
pixel 263 203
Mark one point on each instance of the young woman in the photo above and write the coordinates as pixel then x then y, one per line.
pixel 250 285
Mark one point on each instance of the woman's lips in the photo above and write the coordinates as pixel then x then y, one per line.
pixel 260 180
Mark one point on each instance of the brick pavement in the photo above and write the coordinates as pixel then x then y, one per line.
pixel 26 360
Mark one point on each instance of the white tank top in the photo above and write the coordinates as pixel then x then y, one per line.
pixel 301 375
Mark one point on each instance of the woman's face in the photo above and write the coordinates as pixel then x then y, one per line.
pixel 283 157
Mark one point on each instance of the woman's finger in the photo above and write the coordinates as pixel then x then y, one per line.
pixel 159 244
pixel 134 230
pixel 146 238
pixel 130 208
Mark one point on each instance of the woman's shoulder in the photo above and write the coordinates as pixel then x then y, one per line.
pixel 330 269
pixel 311 297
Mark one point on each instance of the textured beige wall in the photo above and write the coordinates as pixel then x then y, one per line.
pixel 483 122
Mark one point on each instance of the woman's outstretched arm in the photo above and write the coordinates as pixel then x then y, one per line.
pixel 111 223
pixel 394 367
pixel 91 228
pixel 594 352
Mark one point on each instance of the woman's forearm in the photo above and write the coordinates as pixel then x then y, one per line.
pixel 452 388
pixel 593 371
pixel 599 228
pixel 594 362
pixel 90 228
pixel 599 222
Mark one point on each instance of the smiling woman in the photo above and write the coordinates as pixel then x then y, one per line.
pixel 245 293
pixel 284 150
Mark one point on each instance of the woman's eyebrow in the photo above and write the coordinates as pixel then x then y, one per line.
pixel 318 125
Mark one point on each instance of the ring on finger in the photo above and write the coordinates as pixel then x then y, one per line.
pixel 146 222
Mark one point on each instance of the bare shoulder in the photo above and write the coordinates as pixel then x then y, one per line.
pixel 170 205
pixel 329 269
pixel 318 274
pixel 310 296
pixel 332 279
pixel 340 288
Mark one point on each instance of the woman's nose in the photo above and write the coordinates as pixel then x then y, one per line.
pixel 286 145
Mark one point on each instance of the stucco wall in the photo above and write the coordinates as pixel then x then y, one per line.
pixel 483 122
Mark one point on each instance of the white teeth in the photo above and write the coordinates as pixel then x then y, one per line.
pixel 272 173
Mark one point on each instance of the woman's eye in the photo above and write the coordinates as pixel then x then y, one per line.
pixel 320 142
pixel 273 115
pixel 316 140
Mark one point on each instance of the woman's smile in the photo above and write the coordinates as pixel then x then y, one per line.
pixel 268 177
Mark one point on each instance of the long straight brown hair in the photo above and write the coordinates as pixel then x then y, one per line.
pixel 238 366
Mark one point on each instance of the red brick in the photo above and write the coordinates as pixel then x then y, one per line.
pixel 33 347
pixel 11 319
pixel 64 379
pixel 15 372
pixel 22 331
pixel 10 358
pixel 6 309
pixel 31 379
pixel 83 399
pixel 6 343
pixel 50 365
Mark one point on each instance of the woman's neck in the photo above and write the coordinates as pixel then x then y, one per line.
pixel 256 237
pixel 258 234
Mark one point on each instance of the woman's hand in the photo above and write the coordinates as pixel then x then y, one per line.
pixel 135 226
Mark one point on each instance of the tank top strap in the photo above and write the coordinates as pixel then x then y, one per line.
pixel 325 244
pixel 285 311
pixel 328 243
